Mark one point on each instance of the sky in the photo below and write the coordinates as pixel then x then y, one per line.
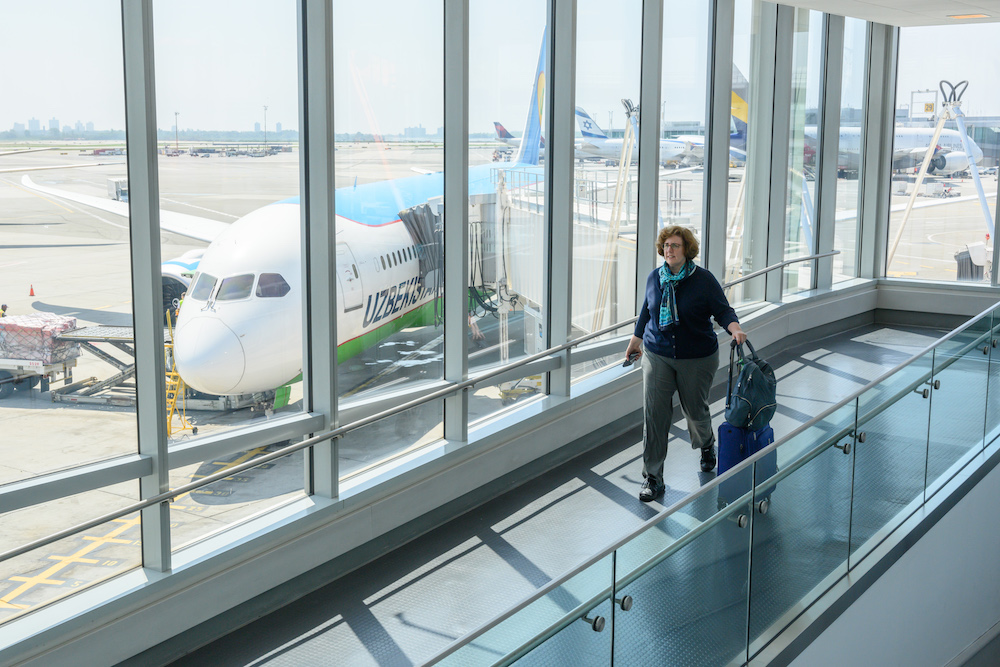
pixel 219 62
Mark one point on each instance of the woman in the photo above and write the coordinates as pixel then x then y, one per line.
pixel 680 352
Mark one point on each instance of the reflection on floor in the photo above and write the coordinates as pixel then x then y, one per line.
pixel 406 606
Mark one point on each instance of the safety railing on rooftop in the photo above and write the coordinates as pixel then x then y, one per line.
pixel 449 390
pixel 717 576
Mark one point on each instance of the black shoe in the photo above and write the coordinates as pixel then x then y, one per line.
pixel 651 490
pixel 708 459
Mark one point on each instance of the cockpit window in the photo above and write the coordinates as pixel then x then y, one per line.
pixel 235 287
pixel 272 285
pixel 203 286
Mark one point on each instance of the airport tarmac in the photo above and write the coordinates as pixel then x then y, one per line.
pixel 77 263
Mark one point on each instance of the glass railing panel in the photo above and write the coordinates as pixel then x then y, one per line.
pixel 690 595
pixel 889 465
pixel 835 424
pixel 958 402
pixel 993 382
pixel 800 537
pixel 585 642
pixel 554 617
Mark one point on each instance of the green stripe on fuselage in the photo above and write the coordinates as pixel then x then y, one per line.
pixel 418 317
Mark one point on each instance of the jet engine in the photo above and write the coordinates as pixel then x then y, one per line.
pixel 177 274
pixel 948 163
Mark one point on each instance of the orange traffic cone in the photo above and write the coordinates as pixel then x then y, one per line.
pixel 31 292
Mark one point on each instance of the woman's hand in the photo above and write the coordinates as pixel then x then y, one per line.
pixel 739 337
pixel 634 347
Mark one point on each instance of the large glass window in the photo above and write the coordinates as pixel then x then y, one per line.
pixel 803 144
pixel 65 282
pixel 227 113
pixel 683 140
pixel 939 225
pixel 388 93
pixel 507 300
pixel 852 107
pixel 605 195
pixel 65 264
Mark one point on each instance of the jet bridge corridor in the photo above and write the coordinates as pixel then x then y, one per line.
pixel 690 607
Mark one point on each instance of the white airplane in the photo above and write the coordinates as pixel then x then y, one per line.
pixel 239 330
pixel 596 142
pixel 909 147
pixel 505 137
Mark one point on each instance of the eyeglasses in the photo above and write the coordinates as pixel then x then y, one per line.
pixel 675 246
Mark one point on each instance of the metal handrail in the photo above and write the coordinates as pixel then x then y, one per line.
pixel 705 489
pixel 755 274
pixel 167 496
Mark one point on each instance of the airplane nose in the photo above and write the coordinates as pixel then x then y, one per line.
pixel 209 356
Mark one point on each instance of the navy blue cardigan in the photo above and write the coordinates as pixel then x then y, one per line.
pixel 699 299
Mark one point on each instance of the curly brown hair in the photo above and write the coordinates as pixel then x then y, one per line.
pixel 691 246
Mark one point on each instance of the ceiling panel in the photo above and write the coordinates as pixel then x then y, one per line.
pixel 907 13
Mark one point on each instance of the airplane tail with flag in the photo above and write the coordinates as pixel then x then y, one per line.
pixel 588 126
pixel 531 140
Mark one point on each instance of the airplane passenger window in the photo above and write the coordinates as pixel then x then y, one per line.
pixel 382 257
pixel 235 287
pixel 203 286
pixel 272 285
pixel 355 269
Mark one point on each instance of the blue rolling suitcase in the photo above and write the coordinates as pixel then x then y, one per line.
pixel 735 445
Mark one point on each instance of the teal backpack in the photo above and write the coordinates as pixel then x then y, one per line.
pixel 751 403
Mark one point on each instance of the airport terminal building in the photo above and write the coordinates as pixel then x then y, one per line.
pixel 353 393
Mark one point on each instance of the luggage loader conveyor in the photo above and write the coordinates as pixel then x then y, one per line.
pixel 119 389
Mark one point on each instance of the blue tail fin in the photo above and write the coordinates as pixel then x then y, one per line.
pixel 588 126
pixel 527 152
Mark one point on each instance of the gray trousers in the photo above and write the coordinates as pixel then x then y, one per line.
pixel 692 380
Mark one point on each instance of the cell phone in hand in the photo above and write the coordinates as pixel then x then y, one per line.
pixel 631 359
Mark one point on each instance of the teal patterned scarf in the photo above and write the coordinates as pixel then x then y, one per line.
pixel 668 302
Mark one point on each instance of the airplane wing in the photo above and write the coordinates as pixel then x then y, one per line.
pixel 191 226
pixel 57 166
pixel 853 213
pixel 667 174
pixel 25 150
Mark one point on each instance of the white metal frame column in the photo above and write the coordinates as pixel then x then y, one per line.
pixel 649 143
pixel 319 236
pixel 559 176
pixel 828 151
pixel 781 109
pixel 147 286
pixel 456 214
pixel 876 147
pixel 715 200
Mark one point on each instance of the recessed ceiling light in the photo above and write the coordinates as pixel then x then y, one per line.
pixel 969 16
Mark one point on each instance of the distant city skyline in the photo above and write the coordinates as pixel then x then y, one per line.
pixel 219 72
